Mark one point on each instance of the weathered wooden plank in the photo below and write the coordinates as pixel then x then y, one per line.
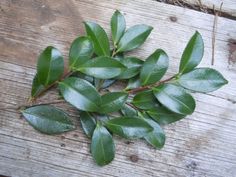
pixel 201 145
pixel 228 6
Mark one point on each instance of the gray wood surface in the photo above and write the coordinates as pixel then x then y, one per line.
pixel 203 144
pixel 228 6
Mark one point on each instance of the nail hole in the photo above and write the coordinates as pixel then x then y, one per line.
pixel 173 18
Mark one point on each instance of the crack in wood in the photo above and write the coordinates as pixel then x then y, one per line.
pixel 198 7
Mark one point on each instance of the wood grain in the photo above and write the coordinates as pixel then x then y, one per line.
pixel 228 6
pixel 203 144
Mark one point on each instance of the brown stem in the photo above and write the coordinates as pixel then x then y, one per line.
pixel 139 89
pixel 38 104
pixel 26 106
pixel 50 86
pixel 131 105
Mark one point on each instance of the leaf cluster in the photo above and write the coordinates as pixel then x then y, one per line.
pixel 141 109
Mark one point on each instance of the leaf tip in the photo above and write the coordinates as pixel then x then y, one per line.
pixel 117 11
pixel 225 81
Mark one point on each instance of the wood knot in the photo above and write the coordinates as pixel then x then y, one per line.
pixel 134 158
pixel 173 18
pixel 192 165
pixel 75 135
pixel 128 142
pixel 63 145
pixel 232 51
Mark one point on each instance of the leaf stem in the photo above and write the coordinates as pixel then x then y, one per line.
pixel 139 89
pixel 131 105
pixel 113 53
pixel 67 74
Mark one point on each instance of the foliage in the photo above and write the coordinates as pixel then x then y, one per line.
pixel 146 104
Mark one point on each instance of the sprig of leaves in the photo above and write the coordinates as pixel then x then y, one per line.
pixel 146 104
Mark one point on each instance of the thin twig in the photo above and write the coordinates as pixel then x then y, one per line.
pixel 131 105
pixel 26 106
pixel 33 99
pixel 217 13
pixel 9 108
pixel 139 89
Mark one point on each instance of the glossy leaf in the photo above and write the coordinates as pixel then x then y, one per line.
pixel 88 123
pixel 102 68
pixel 80 93
pixel 175 98
pixel 192 54
pixel 80 51
pixel 112 102
pixel 134 37
pixel 37 87
pixel 118 26
pixel 156 137
pixel 132 65
pixel 164 116
pixel 99 38
pixel 80 75
pixel 102 146
pixel 129 127
pixel 129 111
pixel 145 100
pixel 103 118
pixel 105 84
pixel 154 67
pixel 50 66
pixel 48 119
pixel 202 80
pixel 133 83
pixel 119 56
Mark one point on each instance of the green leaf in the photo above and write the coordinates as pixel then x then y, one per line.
pixel 112 102
pixel 106 83
pixel 88 123
pixel 50 66
pixel 134 37
pixel 103 118
pixel 99 38
pixel 119 56
pixel 154 67
pixel 175 98
pixel 37 87
pixel 80 51
pixel 129 111
pixel 129 127
pixel 48 119
pixel 202 80
pixel 80 93
pixel 145 100
pixel 118 26
pixel 83 76
pixel 132 65
pixel 102 146
pixel 192 54
pixel 163 116
pixel 156 137
pixel 133 83
pixel 102 68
